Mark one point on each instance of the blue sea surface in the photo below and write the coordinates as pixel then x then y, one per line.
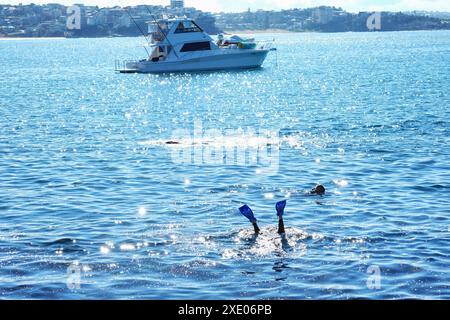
pixel 95 205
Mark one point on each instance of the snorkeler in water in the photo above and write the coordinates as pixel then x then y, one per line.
pixel 319 190
pixel 248 213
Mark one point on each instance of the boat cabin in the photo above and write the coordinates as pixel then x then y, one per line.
pixel 181 35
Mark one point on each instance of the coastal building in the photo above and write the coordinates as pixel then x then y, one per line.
pixel 323 15
pixel 176 4
pixel 123 21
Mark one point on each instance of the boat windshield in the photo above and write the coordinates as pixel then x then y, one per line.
pixel 187 26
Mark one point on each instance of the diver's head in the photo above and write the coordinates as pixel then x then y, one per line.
pixel 319 189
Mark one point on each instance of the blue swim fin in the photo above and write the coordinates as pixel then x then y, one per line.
pixel 280 207
pixel 248 213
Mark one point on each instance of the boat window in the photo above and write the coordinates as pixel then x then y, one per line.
pixel 196 46
pixel 180 27
pixel 188 26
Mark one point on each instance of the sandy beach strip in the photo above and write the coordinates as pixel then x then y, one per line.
pixel 257 31
pixel 30 38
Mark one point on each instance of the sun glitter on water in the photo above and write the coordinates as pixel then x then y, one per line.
pixel 142 211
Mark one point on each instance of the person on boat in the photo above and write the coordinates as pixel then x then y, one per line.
pixel 247 212
pixel 220 40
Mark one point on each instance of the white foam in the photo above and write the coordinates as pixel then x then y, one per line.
pixel 268 242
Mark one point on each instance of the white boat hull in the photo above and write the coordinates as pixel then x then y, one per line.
pixel 243 59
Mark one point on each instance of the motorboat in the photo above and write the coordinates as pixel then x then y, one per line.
pixel 181 45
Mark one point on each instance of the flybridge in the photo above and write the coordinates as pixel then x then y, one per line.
pixel 180 30
pixel 182 26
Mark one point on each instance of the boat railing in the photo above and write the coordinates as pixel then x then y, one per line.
pixel 265 44
pixel 123 65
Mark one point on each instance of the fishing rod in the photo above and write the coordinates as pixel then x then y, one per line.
pixel 137 25
pixel 162 32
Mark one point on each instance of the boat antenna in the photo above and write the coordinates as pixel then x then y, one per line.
pixel 162 32
pixel 140 29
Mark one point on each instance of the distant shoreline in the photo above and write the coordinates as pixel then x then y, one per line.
pixel 246 32
pixel 225 32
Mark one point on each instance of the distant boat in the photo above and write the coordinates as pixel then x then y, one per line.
pixel 180 45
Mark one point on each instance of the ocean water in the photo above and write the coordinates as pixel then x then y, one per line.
pixel 95 205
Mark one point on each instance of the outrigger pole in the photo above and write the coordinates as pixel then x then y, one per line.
pixel 142 32
pixel 162 32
